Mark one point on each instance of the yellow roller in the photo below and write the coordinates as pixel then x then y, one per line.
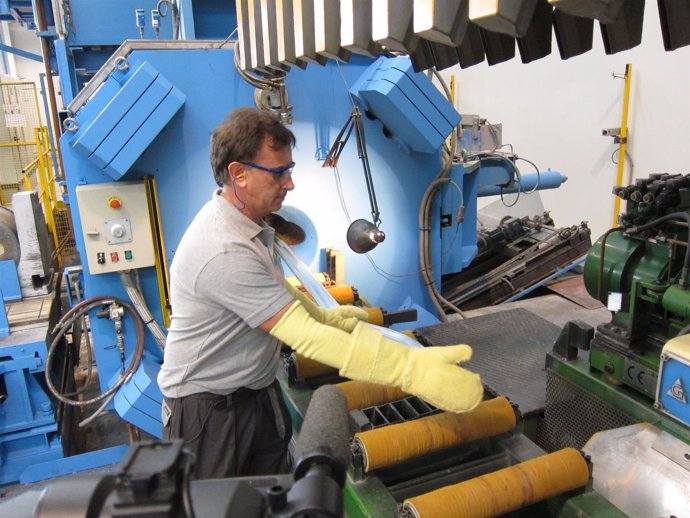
pixel 342 294
pixel 360 394
pixel 306 368
pixel 375 315
pixel 505 490
pixel 395 443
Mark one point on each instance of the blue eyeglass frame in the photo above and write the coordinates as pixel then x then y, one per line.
pixel 273 170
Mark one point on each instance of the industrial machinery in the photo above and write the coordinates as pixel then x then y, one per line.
pixel 134 143
pixel 135 155
pixel 620 391
pixel 514 256
pixel 640 271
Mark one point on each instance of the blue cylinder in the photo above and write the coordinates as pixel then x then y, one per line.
pixel 533 181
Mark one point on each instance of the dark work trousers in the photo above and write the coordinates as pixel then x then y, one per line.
pixel 243 434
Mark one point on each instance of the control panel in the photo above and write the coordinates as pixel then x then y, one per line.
pixel 116 225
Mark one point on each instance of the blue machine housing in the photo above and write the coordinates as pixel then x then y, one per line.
pixel 87 45
pixel 206 87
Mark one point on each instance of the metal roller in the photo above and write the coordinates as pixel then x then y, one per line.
pixel 343 294
pixel 360 394
pixel 504 490
pixel 396 443
pixel 306 368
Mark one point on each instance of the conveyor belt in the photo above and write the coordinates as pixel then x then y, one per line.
pixel 509 352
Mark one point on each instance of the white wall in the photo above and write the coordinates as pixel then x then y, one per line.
pixel 553 112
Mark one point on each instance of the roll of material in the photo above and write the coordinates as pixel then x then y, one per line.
pixel 9 244
pixel 342 294
pixel 306 368
pixel 505 490
pixel 396 443
pixel 360 394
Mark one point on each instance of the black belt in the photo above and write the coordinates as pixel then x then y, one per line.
pixel 241 394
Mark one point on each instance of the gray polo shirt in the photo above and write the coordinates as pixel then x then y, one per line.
pixel 225 281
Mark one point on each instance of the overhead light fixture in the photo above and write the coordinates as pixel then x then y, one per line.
pixel 363 236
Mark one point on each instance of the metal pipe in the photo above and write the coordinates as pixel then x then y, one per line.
pixel 42 24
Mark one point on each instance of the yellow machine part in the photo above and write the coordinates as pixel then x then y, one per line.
pixel 306 368
pixel 342 294
pixel 375 315
pixel 504 490
pixel 395 443
pixel 360 394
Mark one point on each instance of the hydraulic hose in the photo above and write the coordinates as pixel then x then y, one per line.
pixel 67 321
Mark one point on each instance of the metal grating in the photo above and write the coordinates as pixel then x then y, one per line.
pixel 20 116
pixel 572 415
pixel 65 237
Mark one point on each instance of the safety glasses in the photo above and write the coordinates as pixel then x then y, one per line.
pixel 274 170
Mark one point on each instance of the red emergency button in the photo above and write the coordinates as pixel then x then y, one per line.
pixel 114 202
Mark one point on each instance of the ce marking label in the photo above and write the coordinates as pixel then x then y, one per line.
pixel 641 377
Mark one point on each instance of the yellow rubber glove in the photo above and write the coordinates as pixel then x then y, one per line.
pixel 343 317
pixel 365 354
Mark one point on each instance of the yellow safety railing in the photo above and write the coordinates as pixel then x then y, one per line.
pixel 27 160
pixel 38 175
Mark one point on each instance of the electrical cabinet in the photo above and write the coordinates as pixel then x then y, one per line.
pixel 116 225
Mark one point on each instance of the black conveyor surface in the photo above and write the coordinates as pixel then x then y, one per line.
pixel 509 351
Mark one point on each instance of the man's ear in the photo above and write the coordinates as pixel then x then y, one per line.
pixel 235 172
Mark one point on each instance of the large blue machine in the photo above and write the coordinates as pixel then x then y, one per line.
pixel 135 156
pixel 151 119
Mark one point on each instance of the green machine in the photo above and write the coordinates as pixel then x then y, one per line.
pixel 640 271
pixel 620 393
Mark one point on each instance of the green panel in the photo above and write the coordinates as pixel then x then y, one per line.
pixel 591 505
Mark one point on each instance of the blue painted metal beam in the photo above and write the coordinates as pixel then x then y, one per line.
pixel 17 11
pixel 19 52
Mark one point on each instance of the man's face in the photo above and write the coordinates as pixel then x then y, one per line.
pixel 265 191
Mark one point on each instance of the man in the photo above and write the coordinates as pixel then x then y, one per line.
pixel 231 307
